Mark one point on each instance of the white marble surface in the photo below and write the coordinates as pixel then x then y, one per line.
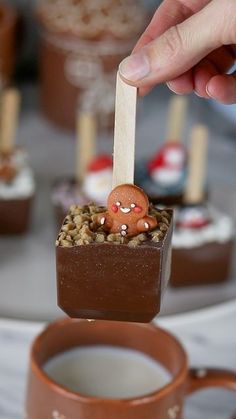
pixel 208 336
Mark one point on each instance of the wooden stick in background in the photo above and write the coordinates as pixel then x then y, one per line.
pixel 194 191
pixel 124 134
pixel 85 143
pixel 176 118
pixel 10 105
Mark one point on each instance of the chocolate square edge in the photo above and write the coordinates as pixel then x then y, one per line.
pixel 112 281
pixel 15 215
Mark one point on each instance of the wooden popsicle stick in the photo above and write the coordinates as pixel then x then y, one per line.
pixel 124 134
pixel 176 118
pixel 10 105
pixel 194 191
pixel 85 142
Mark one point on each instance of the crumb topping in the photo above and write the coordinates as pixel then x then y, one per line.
pixel 80 228
pixel 123 18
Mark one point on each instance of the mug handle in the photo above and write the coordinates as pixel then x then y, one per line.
pixel 200 378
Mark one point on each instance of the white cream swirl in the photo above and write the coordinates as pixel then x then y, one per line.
pixel 220 230
pixel 22 186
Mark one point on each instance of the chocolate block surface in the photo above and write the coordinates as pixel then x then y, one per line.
pixel 114 281
pixel 203 265
pixel 15 215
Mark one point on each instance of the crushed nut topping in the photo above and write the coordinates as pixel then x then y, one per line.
pixel 79 228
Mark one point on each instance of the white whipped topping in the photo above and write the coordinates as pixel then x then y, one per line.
pixel 220 230
pixel 22 186
pixel 167 177
pixel 98 185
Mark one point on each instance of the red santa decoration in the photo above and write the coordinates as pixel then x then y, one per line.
pixel 98 181
pixel 167 167
pixel 193 217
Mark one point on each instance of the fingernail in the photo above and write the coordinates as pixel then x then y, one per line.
pixel 208 91
pixel 202 96
pixel 135 67
pixel 171 88
pixel 197 94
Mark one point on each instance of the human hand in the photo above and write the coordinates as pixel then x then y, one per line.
pixel 191 45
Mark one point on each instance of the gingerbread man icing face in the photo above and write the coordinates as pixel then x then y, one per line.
pixel 127 204
pixel 127 211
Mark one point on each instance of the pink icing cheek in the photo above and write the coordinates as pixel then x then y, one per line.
pixel 114 208
pixel 138 209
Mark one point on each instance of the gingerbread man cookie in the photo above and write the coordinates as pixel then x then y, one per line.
pixel 127 212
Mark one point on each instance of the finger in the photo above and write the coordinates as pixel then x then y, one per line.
pixel 193 80
pixel 202 74
pixel 223 58
pixel 143 91
pixel 181 47
pixel 183 84
pixel 219 61
pixel 223 88
pixel 168 14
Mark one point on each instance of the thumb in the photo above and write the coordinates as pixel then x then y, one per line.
pixel 182 46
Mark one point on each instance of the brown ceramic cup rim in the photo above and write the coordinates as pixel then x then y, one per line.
pixel 7 16
pixel 176 379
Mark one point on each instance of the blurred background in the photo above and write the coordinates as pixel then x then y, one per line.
pixel 28 54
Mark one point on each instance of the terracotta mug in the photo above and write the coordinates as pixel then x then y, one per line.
pixel 48 400
pixel 8 23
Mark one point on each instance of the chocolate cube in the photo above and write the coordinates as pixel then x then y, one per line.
pixel 202 254
pixel 112 280
pixel 202 265
pixel 15 215
pixel 17 190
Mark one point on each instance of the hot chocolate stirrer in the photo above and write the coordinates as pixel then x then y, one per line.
pixel 85 143
pixel 194 192
pixel 124 134
pixel 10 104
pixel 176 118
pixel 194 213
